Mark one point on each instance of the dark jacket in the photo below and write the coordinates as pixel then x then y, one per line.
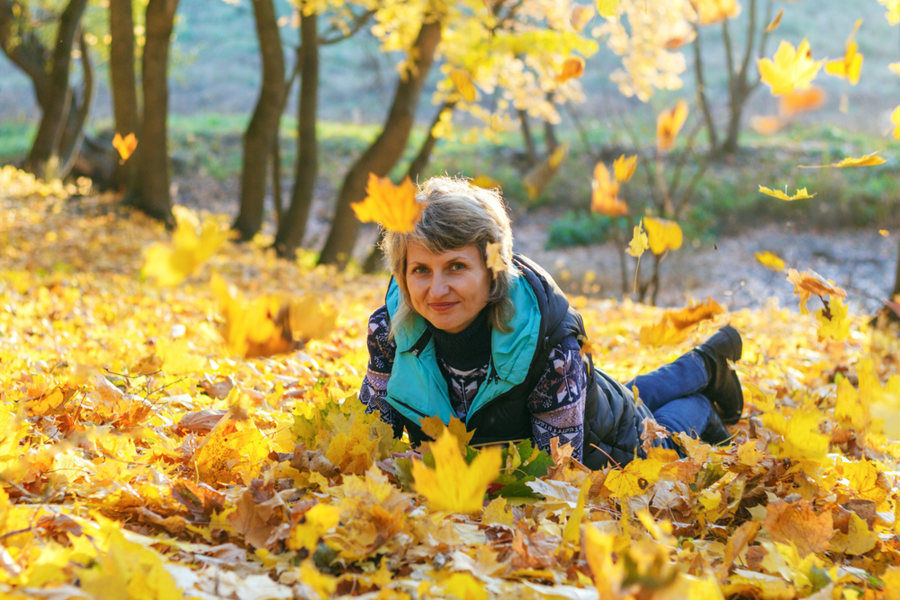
pixel 543 318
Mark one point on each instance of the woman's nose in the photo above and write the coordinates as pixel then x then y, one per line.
pixel 439 287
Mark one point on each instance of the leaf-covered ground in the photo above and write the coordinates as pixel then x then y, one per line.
pixel 140 457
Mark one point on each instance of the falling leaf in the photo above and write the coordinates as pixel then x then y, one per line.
pixel 883 232
pixel 663 235
pixel 607 8
pixel 775 22
pixel 895 120
pixel 790 69
pixel 580 17
pixel 540 176
pixel 668 124
pixel 639 242
pixel 394 207
pixel 801 194
pixel 494 259
pixel 716 11
pixel 126 146
pixel 453 485
pixel 770 261
pixel 833 321
pixel 767 124
pixel 811 283
pixel 624 168
pixel 693 314
pixel 463 83
pixel 869 160
pixel 895 68
pixel 486 183
pixel 850 65
pixel 801 101
pixel 573 68
pixel 604 197
pixel 169 265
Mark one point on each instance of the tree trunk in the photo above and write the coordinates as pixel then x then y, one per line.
pixel 260 132
pixel 73 133
pixel 383 154
pixel 154 197
pixel 416 168
pixel 123 82
pixel 701 95
pixel 24 48
pixel 293 227
pixel 530 148
pixel 550 138
pixel 43 158
pixel 738 100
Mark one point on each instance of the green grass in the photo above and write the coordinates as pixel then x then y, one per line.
pixel 15 139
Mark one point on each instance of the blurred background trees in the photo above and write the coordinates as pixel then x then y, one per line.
pixel 281 109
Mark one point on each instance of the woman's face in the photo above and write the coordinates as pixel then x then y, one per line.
pixel 448 289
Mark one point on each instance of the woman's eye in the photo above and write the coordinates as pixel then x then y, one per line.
pixel 419 270
pixel 458 266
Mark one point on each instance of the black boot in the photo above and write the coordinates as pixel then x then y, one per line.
pixel 724 388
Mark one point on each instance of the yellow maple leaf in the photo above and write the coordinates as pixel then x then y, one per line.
pixel 770 261
pixel 624 168
pixel 607 8
pixel 393 206
pixel 465 587
pixel 636 478
pixel 801 439
pixel 572 68
pixel 316 522
pixel 850 65
pixel 857 541
pixel 836 325
pixel 895 120
pixel 608 575
pixel 775 22
pixel 716 11
pixel 604 195
pixel 170 264
pixel 493 259
pixel 434 428
pixel 497 513
pixel 662 333
pixel 668 124
pixel 849 408
pixel 638 242
pixel 453 485
pixel 462 81
pixel 801 194
pixel 789 69
pixel 125 146
pixel 797 523
pixel 869 160
pixel 865 479
pixel 663 235
pixel 810 283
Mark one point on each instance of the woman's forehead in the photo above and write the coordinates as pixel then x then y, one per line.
pixel 417 253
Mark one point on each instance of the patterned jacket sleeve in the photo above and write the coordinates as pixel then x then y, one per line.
pixel 557 402
pixel 381 362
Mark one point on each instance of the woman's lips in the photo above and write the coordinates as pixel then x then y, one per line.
pixel 442 306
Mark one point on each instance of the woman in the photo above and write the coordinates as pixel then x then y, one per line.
pixel 499 347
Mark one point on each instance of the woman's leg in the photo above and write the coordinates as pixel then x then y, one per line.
pixel 694 415
pixel 684 377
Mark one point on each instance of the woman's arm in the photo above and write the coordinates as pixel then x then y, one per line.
pixel 381 361
pixel 557 402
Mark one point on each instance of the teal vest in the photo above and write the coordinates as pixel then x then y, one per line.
pixel 417 389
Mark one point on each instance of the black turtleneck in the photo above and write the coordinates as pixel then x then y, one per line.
pixel 468 349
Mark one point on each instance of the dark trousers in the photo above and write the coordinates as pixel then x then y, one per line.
pixel 671 392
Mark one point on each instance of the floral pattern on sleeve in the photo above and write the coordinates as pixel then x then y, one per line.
pixel 557 402
pixel 381 360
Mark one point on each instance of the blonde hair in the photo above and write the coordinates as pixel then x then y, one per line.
pixel 456 214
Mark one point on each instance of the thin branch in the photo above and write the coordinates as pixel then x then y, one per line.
pixel 701 92
pixel 729 55
pixel 751 33
pixel 358 24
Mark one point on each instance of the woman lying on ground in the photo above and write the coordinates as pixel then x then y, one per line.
pixel 500 348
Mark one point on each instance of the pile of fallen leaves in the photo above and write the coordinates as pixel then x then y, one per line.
pixel 144 455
